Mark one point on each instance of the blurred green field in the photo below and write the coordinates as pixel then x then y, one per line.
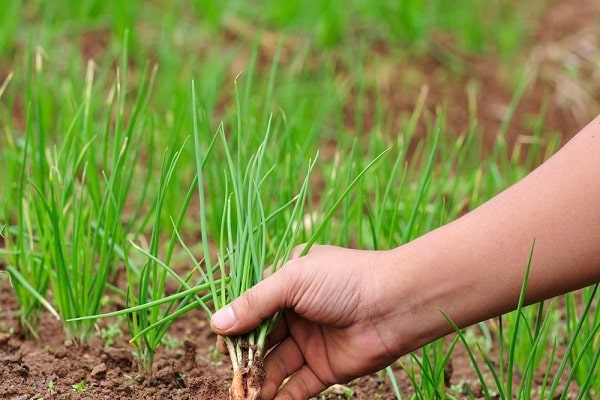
pixel 97 150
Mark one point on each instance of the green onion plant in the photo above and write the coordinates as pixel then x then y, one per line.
pixel 526 343
pixel 247 243
pixel 582 329
pixel 148 283
pixel 255 233
pixel 72 191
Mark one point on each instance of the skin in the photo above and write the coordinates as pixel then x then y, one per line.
pixel 350 312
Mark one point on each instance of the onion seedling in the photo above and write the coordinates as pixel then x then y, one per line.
pixel 21 253
pixel 151 312
pixel 72 191
pixel 510 364
pixel 148 327
pixel 254 232
pixel 247 244
pixel 583 329
pixel 24 262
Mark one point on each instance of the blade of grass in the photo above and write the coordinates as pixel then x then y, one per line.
pixel 329 214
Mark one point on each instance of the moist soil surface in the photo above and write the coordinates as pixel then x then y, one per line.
pixel 188 366
pixel 52 366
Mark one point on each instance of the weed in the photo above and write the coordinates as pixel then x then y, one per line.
pixel 110 333
pixel 51 386
pixel 79 387
pixel 171 342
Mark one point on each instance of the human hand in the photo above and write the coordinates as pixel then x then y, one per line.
pixel 331 329
pixel 347 313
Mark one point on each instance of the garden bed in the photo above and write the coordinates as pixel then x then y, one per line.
pixel 187 364
pixel 189 367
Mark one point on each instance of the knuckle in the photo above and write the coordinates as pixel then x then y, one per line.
pixel 251 299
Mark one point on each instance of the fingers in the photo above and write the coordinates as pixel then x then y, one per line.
pixel 285 360
pixel 281 362
pixel 253 306
pixel 302 385
pixel 257 303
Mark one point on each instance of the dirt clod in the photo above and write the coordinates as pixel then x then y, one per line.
pixel 121 356
pixel 190 353
pixel 12 358
pixel 99 371
pixel 4 338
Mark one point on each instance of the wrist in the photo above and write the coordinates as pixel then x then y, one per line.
pixel 418 281
pixel 403 315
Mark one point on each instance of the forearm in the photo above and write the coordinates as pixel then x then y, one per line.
pixel 473 268
pixel 349 312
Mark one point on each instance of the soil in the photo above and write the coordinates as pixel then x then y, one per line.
pixel 52 366
pixel 191 370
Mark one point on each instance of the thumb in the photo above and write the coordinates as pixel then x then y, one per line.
pixel 254 306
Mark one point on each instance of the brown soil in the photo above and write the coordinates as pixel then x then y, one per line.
pixel 50 366
pixel 192 370
pixel 567 36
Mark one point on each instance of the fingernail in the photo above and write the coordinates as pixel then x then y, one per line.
pixel 224 319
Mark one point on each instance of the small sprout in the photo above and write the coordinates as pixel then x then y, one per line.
pixel 181 379
pixel 51 386
pixel 213 356
pixel 109 334
pixel 79 387
pixel 105 301
pixel 214 353
pixel 338 390
pixel 171 342
pixel 349 393
pixel 3 325
pixel 133 378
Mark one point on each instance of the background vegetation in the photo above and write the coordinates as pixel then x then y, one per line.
pixel 99 161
